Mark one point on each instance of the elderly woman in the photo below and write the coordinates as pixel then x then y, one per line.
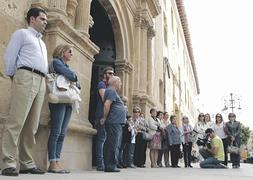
pixel 155 129
pixel 233 129
pixel 60 113
pixel 174 136
pixel 140 126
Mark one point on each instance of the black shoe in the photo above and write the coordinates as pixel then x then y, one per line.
pixel 32 171
pixel 177 166
pixel 131 166
pixel 119 166
pixel 100 168
pixel 112 170
pixel 10 172
pixel 190 166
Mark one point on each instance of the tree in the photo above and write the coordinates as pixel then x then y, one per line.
pixel 245 134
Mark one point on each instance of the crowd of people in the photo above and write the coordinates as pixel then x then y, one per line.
pixel 166 137
pixel 122 136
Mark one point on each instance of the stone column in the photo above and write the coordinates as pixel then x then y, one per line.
pixel 151 34
pixel 57 8
pixel 71 10
pixel 123 68
pixel 83 18
pixel 137 57
pixel 143 58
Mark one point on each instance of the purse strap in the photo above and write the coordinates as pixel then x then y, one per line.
pixel 51 68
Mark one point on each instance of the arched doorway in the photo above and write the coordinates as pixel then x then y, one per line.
pixel 102 35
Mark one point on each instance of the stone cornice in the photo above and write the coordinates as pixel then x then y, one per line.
pixel 123 65
pixel 155 7
pixel 85 45
pixel 184 22
pixel 139 98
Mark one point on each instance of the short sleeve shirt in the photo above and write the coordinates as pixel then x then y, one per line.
pixel 217 142
pixel 117 113
pixel 100 104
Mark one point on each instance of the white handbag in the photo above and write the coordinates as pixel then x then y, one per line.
pixel 61 90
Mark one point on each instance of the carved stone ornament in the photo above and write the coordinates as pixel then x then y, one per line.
pixel 71 8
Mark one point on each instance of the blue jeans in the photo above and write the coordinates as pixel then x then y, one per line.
pixel 129 158
pixel 60 115
pixel 101 137
pixel 211 162
pixel 113 132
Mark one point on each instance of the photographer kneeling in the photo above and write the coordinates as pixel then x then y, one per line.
pixel 213 153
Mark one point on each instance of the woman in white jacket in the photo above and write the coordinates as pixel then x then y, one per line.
pixel 155 143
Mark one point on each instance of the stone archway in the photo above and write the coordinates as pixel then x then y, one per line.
pixel 123 42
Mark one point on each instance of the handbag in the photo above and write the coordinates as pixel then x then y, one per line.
pixel 147 136
pixel 61 90
pixel 233 149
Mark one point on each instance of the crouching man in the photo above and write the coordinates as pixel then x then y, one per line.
pixel 213 153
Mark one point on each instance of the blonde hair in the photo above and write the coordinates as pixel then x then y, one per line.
pixel 60 49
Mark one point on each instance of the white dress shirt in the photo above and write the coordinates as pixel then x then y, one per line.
pixel 26 48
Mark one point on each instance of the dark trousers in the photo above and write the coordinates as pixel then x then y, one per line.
pixel 187 149
pixel 101 137
pixel 160 156
pixel 113 132
pixel 129 154
pixel 119 149
pixel 174 154
pixel 225 146
pixel 140 150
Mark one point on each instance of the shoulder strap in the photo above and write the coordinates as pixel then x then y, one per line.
pixel 51 67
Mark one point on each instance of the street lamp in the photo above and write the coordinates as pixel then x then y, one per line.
pixel 233 101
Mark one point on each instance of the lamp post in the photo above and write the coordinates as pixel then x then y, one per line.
pixel 233 101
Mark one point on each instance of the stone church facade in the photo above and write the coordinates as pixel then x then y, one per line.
pixel 119 33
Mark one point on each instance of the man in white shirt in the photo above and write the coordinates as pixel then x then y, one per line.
pixel 26 64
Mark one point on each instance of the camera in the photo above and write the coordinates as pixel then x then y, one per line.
pixel 204 142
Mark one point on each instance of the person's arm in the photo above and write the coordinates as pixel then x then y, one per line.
pixel 107 106
pixel 60 68
pixel 238 130
pixel 12 51
pixel 101 93
pixel 169 130
pixel 109 97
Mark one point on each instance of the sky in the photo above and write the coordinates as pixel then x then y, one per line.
pixel 222 40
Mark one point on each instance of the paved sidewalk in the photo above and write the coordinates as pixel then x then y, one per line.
pixel 245 172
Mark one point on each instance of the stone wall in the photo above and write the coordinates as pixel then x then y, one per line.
pixel 69 22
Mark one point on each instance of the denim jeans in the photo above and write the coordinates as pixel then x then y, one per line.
pixel 129 155
pixel 101 137
pixel 60 115
pixel 113 132
pixel 211 162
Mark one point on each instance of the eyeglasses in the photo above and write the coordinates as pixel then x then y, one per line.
pixel 231 116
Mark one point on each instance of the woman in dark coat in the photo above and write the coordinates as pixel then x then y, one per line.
pixel 233 129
